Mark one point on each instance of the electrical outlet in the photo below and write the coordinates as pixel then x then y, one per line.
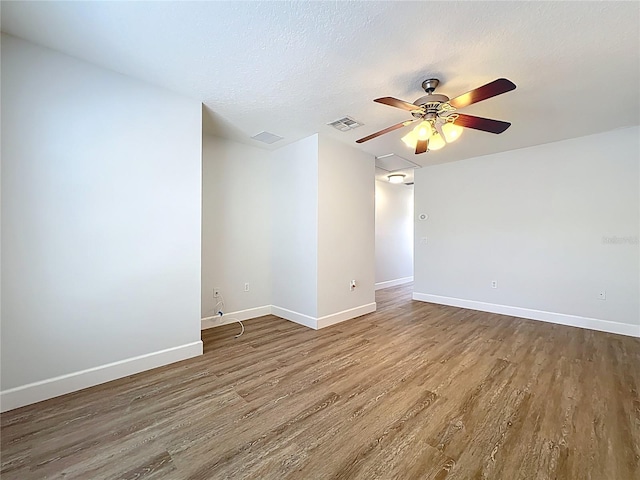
pixel 494 284
pixel 352 285
pixel 246 287
pixel 216 292
pixel 602 295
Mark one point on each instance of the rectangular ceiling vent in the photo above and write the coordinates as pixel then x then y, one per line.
pixel 392 162
pixel 345 124
pixel 267 137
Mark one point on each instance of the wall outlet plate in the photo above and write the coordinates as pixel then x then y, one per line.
pixel 602 295
pixel 494 284
pixel 216 292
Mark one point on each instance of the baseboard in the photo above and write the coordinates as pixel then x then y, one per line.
pixel 325 321
pixel 296 317
pixel 231 317
pixel 54 387
pixel 551 317
pixel 334 318
pixel 393 283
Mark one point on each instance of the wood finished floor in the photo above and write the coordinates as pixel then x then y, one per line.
pixel 412 391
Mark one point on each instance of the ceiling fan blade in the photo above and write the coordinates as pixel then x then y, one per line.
pixel 497 87
pixel 394 102
pixel 479 123
pixel 422 146
pixel 386 130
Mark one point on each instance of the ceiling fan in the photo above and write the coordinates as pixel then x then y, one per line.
pixel 440 123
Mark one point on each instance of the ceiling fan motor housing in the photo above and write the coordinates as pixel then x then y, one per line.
pixel 429 104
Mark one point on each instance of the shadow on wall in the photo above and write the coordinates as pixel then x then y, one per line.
pixel 215 124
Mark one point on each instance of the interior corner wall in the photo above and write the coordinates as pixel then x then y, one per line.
pixel 294 228
pixel 394 233
pixel 553 224
pixel 346 231
pixel 236 225
pixel 101 179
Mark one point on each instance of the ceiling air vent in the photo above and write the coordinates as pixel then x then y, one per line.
pixel 267 137
pixel 345 124
pixel 392 162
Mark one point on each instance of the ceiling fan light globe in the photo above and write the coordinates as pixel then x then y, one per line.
pixel 410 139
pixel 436 142
pixel 423 131
pixel 451 131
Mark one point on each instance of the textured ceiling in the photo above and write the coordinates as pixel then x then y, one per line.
pixel 291 67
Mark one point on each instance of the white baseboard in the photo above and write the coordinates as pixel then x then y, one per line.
pixel 551 317
pixel 296 317
pixel 334 318
pixel 325 321
pixel 54 387
pixel 393 283
pixel 231 317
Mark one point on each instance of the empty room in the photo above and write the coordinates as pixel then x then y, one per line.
pixel 320 240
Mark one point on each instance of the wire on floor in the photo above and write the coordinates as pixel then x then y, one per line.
pixel 220 311
pixel 242 325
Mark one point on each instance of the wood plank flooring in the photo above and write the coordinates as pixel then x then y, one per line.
pixel 413 391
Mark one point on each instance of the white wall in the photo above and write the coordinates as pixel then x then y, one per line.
pixel 346 228
pixel 394 233
pixel 100 224
pixel 236 225
pixel 537 221
pixel 320 216
pixel 294 228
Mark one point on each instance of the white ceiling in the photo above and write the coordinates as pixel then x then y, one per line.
pixel 291 67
